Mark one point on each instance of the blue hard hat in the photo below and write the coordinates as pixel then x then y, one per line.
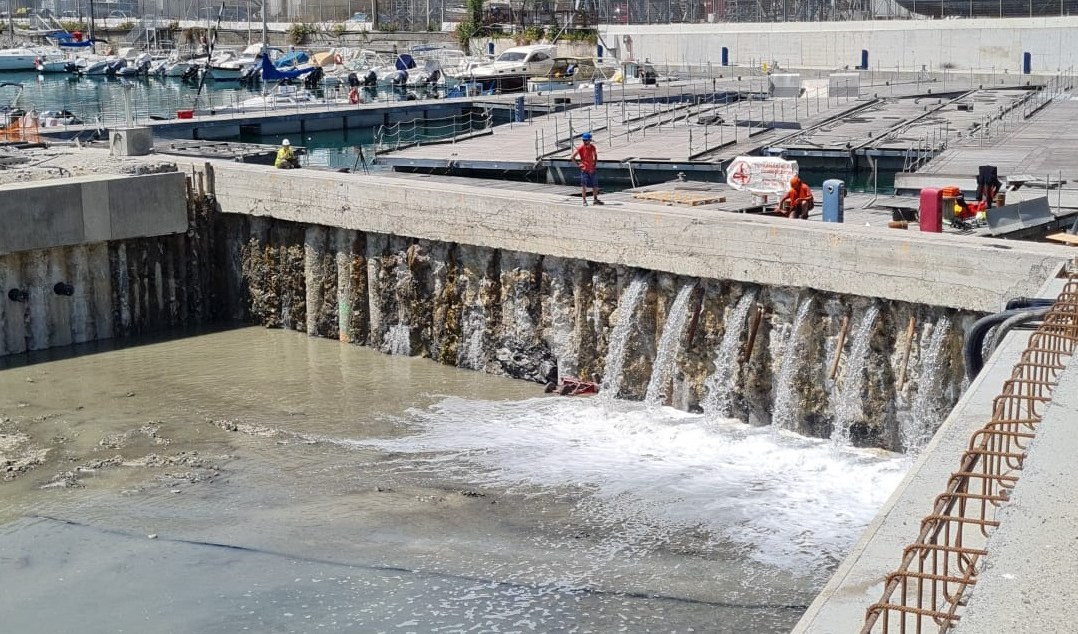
pixel 586 136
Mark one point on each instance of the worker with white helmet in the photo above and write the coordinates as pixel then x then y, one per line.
pixel 286 158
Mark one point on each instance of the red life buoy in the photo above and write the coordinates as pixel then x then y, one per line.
pixel 337 59
pixel 353 95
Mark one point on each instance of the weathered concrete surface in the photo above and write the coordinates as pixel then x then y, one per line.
pixel 937 270
pixel 88 209
pixel 1029 571
pixel 858 581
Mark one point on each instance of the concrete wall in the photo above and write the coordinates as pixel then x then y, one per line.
pixel 983 44
pixel 936 270
pixel 89 209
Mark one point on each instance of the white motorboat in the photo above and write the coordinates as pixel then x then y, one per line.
pixel 282 96
pixel 26 58
pixel 510 71
pixel 236 67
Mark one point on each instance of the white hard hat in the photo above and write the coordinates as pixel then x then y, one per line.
pixel 286 142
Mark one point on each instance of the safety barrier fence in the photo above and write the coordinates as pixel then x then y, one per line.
pixel 938 571
pixel 20 130
pixel 414 132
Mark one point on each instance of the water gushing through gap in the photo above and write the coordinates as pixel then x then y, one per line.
pixel 717 403
pixel 784 412
pixel 848 407
pixel 399 340
pixel 619 337
pixel 669 347
pixel 925 415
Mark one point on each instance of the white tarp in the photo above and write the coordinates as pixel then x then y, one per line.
pixel 762 174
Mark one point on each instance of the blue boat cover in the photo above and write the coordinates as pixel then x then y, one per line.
pixel 289 60
pixel 272 73
pixel 404 62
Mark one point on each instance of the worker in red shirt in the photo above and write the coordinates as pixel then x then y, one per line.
pixel 585 157
pixel 798 200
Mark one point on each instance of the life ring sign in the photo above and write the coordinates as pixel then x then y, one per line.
pixel 760 173
pixel 353 95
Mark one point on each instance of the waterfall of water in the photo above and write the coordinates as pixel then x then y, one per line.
pixel 925 415
pixel 398 337
pixel 669 346
pixel 717 403
pixel 619 336
pixel 784 410
pixel 399 340
pixel 848 406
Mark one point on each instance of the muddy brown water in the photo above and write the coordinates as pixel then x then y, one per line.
pixel 263 481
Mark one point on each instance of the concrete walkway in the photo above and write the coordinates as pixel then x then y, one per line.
pixel 1028 583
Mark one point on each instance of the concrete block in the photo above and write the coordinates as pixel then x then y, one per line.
pixel 784 86
pixel 90 209
pixel 37 216
pixel 150 205
pixel 130 141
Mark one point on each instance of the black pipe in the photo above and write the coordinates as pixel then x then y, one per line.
pixel 973 349
pixel 1028 302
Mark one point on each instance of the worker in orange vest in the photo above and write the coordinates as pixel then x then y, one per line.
pixel 798 200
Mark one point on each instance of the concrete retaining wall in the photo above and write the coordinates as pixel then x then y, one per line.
pixel 931 269
pixel 84 210
pixel 984 44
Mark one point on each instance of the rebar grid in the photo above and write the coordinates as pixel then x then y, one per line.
pixel 938 571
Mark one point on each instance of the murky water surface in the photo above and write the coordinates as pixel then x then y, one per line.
pixel 254 480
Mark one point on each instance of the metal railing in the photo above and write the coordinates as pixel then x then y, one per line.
pixel 938 571
pixel 403 134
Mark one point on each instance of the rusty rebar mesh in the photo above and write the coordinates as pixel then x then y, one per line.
pixel 937 572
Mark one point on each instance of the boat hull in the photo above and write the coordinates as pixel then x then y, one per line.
pixel 17 62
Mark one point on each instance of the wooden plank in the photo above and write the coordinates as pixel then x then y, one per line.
pixel 691 199
pixel 1065 238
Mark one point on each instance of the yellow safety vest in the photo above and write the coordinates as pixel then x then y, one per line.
pixel 284 155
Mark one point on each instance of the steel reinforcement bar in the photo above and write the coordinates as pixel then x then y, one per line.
pixel 937 572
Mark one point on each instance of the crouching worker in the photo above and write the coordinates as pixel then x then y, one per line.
pixel 286 158
pixel 798 200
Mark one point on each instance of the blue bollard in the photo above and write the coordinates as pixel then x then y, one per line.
pixel 598 93
pixel 518 109
pixel 1027 63
pixel 599 51
pixel 834 197
pixel 864 59
pixel 725 56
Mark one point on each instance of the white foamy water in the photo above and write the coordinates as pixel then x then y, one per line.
pixel 398 340
pixel 649 473
pixel 718 400
pixel 785 409
pixel 848 405
pixel 927 410
pixel 669 347
pixel 614 364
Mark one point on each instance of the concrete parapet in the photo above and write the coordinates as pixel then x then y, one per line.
pixel 83 210
pixel 937 270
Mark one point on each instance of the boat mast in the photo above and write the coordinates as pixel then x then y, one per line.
pixel 265 47
pixel 91 25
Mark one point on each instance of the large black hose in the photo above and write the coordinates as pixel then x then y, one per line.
pixel 1026 316
pixel 973 350
pixel 1028 302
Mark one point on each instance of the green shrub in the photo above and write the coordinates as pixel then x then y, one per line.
pixel 300 32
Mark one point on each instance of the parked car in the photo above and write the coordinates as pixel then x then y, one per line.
pixel 358 17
